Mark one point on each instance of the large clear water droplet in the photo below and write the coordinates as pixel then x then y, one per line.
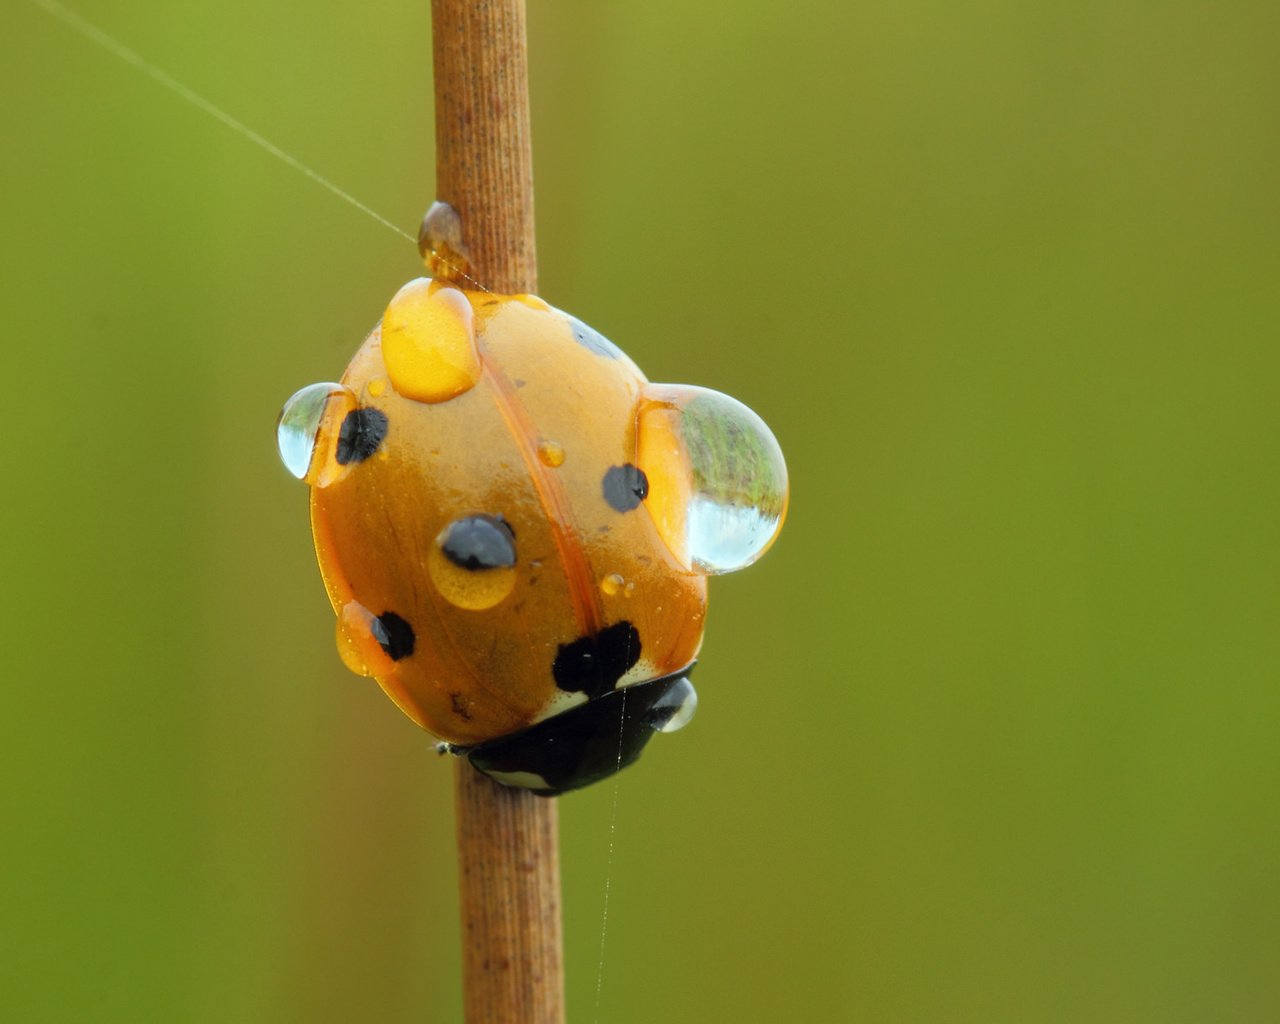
pixel 298 434
pixel 717 478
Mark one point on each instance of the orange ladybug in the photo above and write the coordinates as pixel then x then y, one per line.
pixel 515 527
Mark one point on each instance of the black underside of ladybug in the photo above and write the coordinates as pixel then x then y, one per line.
pixel 588 742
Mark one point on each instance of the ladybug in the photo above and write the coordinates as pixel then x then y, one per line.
pixel 515 527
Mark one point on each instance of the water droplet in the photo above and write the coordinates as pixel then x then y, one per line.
pixel 428 342
pixel 612 584
pixel 533 302
pixel 304 446
pixel 355 641
pixel 674 709
pixel 629 589
pixel 717 478
pixel 551 453
pixel 440 243
pixel 473 562
pixel 377 386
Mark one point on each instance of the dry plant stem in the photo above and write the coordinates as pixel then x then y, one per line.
pixel 484 163
pixel 508 854
pixel 509 874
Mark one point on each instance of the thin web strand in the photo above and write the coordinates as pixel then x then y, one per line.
pixel 613 831
pixel 112 45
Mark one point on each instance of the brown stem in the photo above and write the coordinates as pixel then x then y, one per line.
pixel 484 164
pixel 508 853
pixel 509 874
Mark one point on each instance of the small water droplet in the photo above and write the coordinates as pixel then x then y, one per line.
pixel 551 453
pixel 612 584
pixel 303 445
pixel 674 709
pixel 629 589
pixel 717 478
pixel 440 243
pixel 377 386
pixel 354 638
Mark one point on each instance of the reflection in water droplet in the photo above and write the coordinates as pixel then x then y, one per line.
pixel 298 435
pixel 612 584
pixel 717 478
pixel 726 536
pixel 472 562
pixel 551 454
pixel 675 708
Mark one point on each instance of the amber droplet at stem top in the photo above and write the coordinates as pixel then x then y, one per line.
pixel 508 839
pixel 442 248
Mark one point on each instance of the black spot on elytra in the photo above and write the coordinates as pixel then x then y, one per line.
pixel 594 664
pixel 480 542
pixel 362 431
pixel 593 340
pixel 625 487
pixel 394 635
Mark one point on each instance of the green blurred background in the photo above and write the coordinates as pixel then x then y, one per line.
pixel 991 735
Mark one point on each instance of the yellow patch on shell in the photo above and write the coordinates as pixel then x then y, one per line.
pixel 429 342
